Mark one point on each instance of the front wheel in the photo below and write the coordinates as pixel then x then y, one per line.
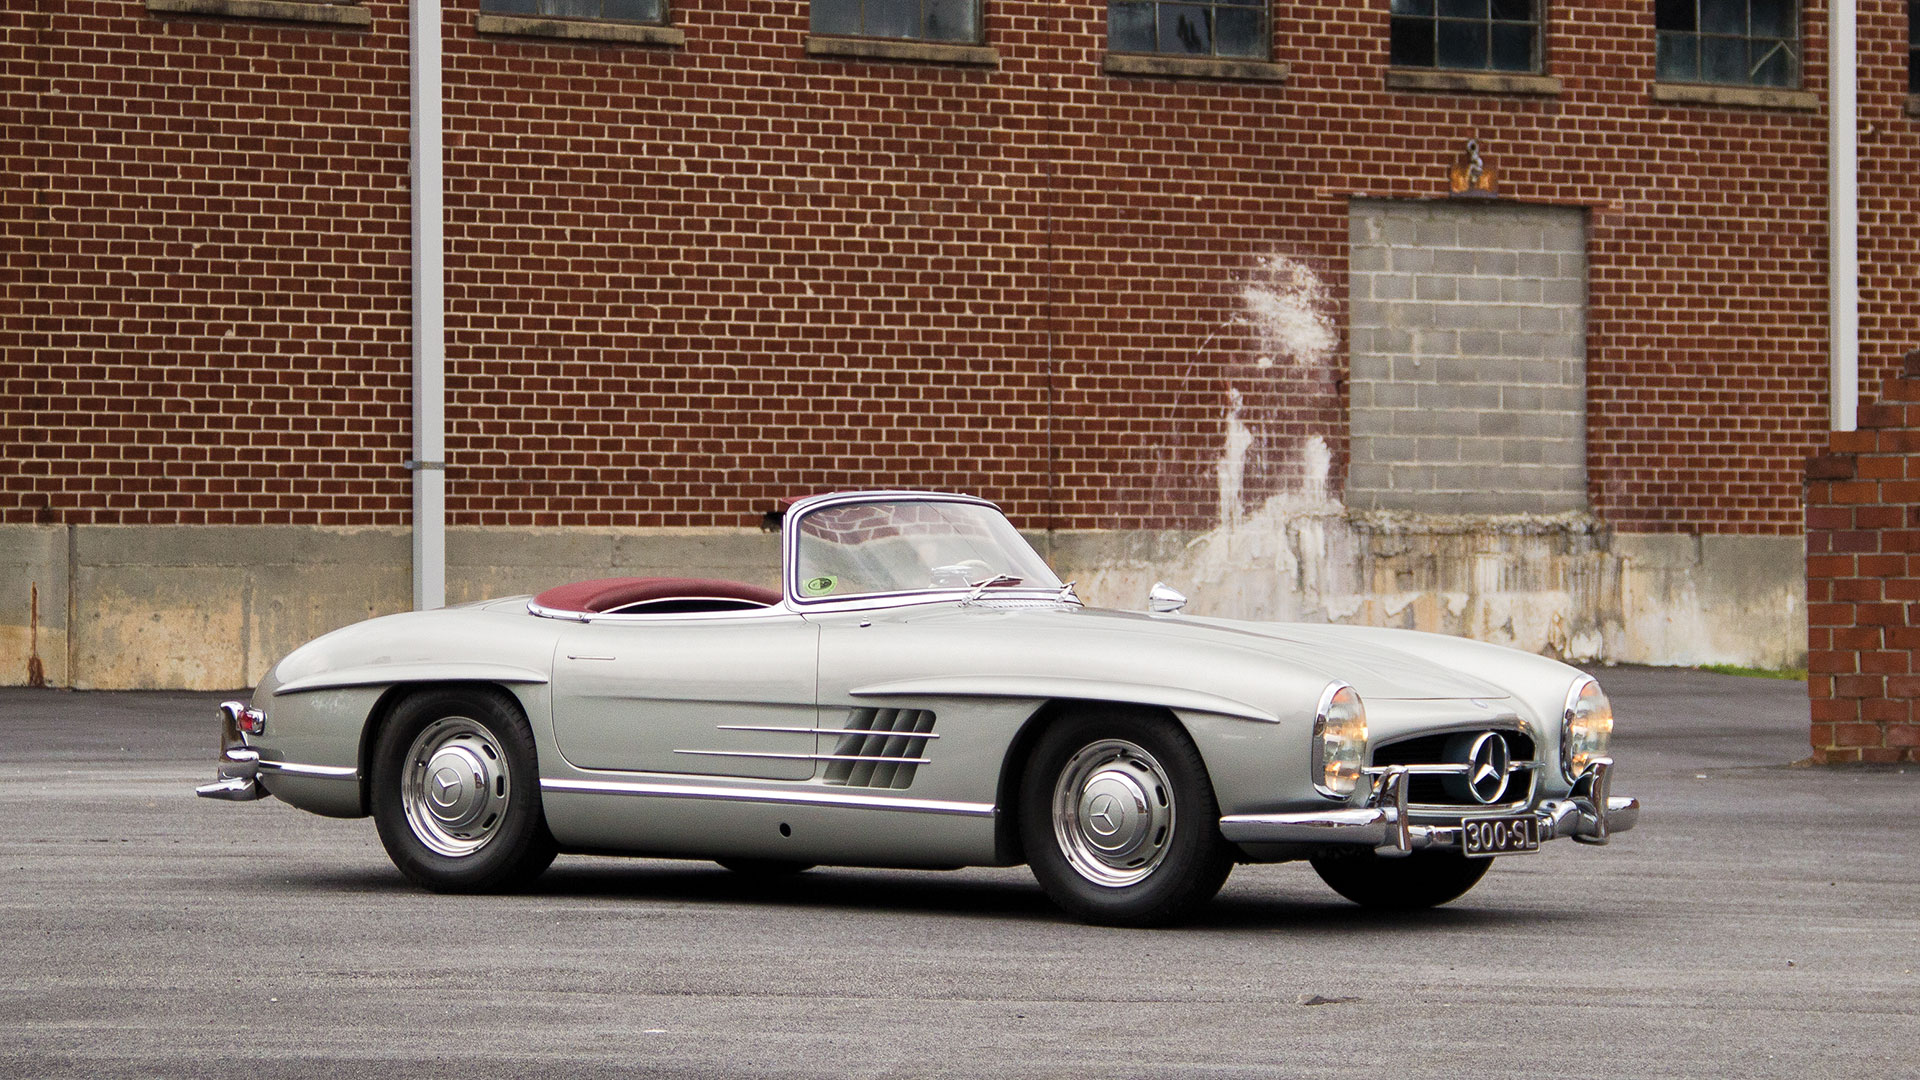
pixel 456 793
pixel 1119 822
pixel 1423 879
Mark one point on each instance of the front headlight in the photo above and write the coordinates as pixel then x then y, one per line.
pixel 1588 728
pixel 1339 741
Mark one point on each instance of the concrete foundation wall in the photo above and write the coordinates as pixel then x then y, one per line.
pixel 116 607
pixel 1562 585
pixel 207 608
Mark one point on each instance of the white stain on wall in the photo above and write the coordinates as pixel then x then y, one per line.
pixel 1287 306
pixel 1230 472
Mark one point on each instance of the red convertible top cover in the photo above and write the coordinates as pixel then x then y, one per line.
pixel 607 594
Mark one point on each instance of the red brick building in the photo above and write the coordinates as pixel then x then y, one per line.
pixel 703 258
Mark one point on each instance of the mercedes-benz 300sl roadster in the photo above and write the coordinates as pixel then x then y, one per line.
pixel 923 691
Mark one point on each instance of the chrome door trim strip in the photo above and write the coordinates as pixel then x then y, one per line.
pixel 805 757
pixel 330 772
pixel 807 797
pixel 826 731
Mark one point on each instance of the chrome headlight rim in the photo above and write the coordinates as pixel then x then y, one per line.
pixel 1323 714
pixel 1569 713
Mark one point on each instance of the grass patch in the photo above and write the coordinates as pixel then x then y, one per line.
pixel 1796 674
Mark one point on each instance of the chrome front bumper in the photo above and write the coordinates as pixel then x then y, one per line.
pixel 1589 814
pixel 237 777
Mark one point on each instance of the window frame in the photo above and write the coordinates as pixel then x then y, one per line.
pixel 1795 47
pixel 978 40
pixel 1913 54
pixel 488 8
pixel 1537 61
pixel 344 15
pixel 1263 56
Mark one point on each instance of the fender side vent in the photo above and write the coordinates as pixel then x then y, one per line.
pixel 863 756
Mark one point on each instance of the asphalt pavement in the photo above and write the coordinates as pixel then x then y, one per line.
pixel 1762 921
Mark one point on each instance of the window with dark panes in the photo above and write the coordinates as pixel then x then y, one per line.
pixel 1235 29
pixel 1474 35
pixel 1913 46
pixel 1737 42
pixel 916 20
pixel 646 11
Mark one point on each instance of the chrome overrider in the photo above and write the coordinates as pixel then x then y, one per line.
pixel 239 769
pixel 1590 814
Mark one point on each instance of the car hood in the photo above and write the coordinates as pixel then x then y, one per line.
pixel 1379 671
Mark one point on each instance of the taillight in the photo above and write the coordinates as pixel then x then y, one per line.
pixel 244 718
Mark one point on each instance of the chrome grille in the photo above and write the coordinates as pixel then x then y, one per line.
pixel 865 754
pixel 1432 791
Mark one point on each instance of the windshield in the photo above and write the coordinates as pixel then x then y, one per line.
pixel 894 546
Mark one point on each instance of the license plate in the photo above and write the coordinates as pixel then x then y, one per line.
pixel 1486 837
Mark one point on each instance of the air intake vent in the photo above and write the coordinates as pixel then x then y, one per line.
pixel 881 748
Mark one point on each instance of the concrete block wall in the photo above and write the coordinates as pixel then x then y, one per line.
pixel 1863 582
pixel 1468 384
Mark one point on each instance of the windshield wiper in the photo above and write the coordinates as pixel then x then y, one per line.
pixel 1066 593
pixel 980 587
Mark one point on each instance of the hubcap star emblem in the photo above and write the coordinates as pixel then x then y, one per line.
pixel 1102 816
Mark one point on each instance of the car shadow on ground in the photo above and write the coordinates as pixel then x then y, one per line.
pixel 1005 896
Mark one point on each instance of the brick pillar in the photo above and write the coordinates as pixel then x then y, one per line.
pixel 1863 582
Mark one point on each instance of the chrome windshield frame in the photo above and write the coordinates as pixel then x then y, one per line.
pixel 790 559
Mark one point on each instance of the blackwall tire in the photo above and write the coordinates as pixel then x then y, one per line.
pixel 1421 880
pixel 456 792
pixel 1119 822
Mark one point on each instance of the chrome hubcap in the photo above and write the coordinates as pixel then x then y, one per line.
pixel 455 787
pixel 1113 812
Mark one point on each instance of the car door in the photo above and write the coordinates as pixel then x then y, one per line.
pixel 707 695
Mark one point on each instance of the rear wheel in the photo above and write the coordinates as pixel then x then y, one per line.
pixel 1119 822
pixel 456 793
pixel 1423 879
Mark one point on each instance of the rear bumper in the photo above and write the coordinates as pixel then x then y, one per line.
pixel 237 776
pixel 1589 814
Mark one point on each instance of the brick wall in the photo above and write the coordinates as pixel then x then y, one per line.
pixel 205 227
pixel 1863 582
pixel 685 281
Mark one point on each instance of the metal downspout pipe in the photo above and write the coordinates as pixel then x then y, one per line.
pixel 429 462
pixel 1843 216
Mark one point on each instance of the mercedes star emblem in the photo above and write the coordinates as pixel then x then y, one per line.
pixel 1487 765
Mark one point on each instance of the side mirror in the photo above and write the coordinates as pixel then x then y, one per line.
pixel 1164 599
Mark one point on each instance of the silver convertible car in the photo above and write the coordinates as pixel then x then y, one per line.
pixel 924 692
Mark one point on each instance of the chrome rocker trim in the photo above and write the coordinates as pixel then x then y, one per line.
pixel 1589 814
pixel 798 797
pixel 239 775
pixel 324 772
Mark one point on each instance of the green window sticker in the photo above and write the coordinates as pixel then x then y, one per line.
pixel 819 586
